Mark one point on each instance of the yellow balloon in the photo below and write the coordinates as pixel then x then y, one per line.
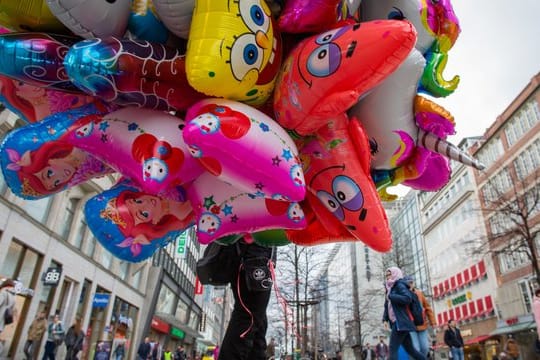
pixel 233 50
pixel 29 15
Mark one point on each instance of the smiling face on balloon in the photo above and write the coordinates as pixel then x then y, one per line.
pixel 233 50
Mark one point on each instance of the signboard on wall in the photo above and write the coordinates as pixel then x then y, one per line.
pixel 52 276
pixel 101 300
pixel 181 245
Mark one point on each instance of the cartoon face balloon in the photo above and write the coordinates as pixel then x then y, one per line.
pixel 90 18
pixel 132 224
pixel 327 73
pixel 29 15
pixel 337 174
pixel 246 148
pixel 233 50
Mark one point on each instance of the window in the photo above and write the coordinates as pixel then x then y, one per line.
pixel 3 185
pixel 106 258
pixel 82 230
pixel 38 209
pixel 124 268
pixel 165 303
pixel 181 311
pixel 91 247
pixel 69 213
pixel 21 263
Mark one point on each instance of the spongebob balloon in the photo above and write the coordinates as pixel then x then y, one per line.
pixel 233 50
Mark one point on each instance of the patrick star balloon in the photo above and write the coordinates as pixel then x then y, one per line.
pixel 327 73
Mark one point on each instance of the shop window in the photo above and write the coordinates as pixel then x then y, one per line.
pixel 472 309
pixel 166 300
pixel 457 311
pixel 466 276
pixel 465 311
pixel 482 268
pixel 80 234
pixel 84 298
pixel 474 272
pixel 91 247
pixel 489 304
pixel 452 283
pixel 459 279
pixel 182 311
pixel 480 307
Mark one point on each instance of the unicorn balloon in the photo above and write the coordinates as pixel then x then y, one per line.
pixel 438 29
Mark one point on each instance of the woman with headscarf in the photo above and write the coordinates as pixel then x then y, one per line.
pixel 398 314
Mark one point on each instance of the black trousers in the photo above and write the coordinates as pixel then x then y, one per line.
pixel 252 346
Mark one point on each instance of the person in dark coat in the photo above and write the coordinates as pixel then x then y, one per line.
pixel 397 314
pixel 453 339
pixel 74 340
pixel 144 349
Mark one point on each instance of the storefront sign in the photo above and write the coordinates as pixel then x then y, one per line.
pixel 52 276
pixel 177 333
pixel 512 321
pixel 198 286
pixel 466 332
pixel 160 325
pixel 101 300
pixel 181 245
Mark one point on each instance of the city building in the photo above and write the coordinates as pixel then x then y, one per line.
pixel 463 282
pixel 47 246
pixel 509 192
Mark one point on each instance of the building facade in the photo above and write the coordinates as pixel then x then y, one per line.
pixel 47 246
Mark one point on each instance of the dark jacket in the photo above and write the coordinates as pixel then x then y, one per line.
pixel 144 350
pixel 365 353
pixel 400 297
pixel 74 340
pixel 453 338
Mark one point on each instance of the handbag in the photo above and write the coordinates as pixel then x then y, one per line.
pixel 219 264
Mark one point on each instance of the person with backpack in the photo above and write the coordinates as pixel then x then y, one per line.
pixel 397 314
pixel 420 337
pixel 55 333
pixel 7 307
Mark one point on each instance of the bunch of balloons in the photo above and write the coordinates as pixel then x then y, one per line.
pixel 276 121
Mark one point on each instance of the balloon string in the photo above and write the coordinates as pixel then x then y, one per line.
pixel 287 311
pixel 242 335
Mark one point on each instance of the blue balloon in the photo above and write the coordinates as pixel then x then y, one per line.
pixel 132 224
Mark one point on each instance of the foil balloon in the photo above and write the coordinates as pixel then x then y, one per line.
pixel 244 147
pixel 131 72
pixel 336 166
pixel 37 59
pixel 327 73
pixel 29 15
pixel 90 18
pixel 221 209
pixel 318 232
pixel 145 24
pixel 310 16
pixel 37 161
pixel 132 224
pixel 234 50
pixel 144 145
pixel 438 29
pixel 32 103
pixel 176 15
pixel 387 114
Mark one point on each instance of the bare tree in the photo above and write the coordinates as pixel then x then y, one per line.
pixel 511 208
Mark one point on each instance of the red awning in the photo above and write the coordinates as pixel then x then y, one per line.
pixel 477 339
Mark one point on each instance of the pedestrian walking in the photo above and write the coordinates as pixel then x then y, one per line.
pixel 420 337
pixel 8 311
pixel 34 335
pixel 381 350
pixel 74 339
pixel 55 333
pixel 511 348
pixel 396 314
pixel 143 352
pixel 368 353
pixel 453 339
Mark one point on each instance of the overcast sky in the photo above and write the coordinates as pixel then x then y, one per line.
pixel 496 54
